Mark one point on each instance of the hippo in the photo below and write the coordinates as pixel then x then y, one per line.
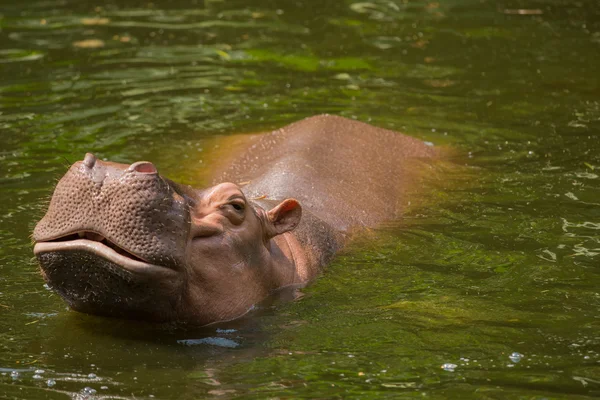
pixel 123 241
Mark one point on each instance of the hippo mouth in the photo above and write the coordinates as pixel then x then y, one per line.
pixel 100 246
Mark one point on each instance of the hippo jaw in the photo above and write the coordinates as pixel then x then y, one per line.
pixel 97 277
pixel 93 284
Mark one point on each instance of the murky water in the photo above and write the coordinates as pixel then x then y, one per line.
pixel 489 288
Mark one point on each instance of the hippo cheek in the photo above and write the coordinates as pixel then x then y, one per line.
pixel 218 261
pixel 226 278
pixel 96 285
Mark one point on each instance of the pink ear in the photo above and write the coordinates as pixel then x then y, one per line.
pixel 284 217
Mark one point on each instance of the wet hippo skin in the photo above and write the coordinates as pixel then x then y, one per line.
pixel 122 240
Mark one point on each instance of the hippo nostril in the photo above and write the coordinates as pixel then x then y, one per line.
pixel 89 160
pixel 143 167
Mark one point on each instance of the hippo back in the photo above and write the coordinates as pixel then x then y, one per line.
pixel 347 173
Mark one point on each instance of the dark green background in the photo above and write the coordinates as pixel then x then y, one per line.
pixel 499 253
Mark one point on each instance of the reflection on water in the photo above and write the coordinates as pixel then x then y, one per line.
pixel 488 287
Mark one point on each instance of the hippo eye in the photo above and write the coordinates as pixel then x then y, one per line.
pixel 238 206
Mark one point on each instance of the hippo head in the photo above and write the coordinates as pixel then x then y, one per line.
pixel 120 240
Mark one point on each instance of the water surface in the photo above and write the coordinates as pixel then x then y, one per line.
pixel 498 254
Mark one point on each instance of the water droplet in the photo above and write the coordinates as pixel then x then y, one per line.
pixel 226 331
pixel 449 367
pixel 92 376
pixel 15 374
pixel 104 387
pixel 88 391
pixel 37 377
pixel 50 382
pixel 39 371
pixel 515 357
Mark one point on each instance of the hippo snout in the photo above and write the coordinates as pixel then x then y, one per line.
pixel 131 206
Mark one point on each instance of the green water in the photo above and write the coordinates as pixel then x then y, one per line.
pixel 499 253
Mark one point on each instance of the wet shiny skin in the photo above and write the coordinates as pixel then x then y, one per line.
pixel 226 251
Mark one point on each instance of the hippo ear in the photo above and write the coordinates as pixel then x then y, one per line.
pixel 283 217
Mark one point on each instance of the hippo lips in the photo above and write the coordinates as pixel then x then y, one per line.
pixel 98 245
